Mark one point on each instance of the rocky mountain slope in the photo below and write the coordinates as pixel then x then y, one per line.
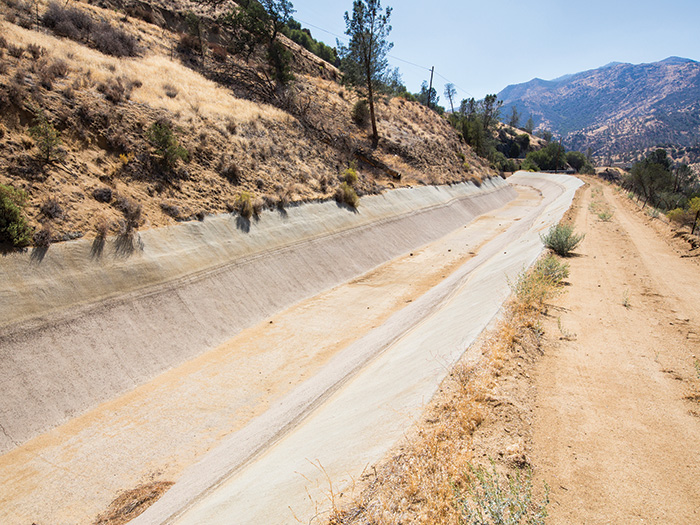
pixel 102 76
pixel 619 110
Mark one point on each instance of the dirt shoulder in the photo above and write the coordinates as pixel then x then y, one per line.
pixel 615 424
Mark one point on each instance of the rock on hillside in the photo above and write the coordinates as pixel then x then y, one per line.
pixel 619 110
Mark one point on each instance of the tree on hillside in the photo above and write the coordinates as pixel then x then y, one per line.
pixel 652 177
pixel 256 24
pixel 529 125
pixel 450 94
pixel 428 96
pixel 514 119
pixel 550 158
pixel 363 60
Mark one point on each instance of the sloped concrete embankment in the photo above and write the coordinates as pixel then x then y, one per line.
pixel 81 325
pixel 322 435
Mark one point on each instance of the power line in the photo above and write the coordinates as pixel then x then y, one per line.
pixel 455 85
pixel 345 39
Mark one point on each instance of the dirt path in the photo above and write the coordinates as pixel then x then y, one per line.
pixel 616 434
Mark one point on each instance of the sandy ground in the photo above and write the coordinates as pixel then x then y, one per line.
pixel 616 423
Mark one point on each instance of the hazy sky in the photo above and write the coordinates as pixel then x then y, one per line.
pixel 484 46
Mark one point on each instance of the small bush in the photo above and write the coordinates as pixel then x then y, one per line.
pixel 36 51
pixel 48 139
pixel 131 211
pixel 102 194
pixel 229 170
pixel 162 138
pixel 51 208
pixel 346 194
pixel 490 499
pixel 15 51
pixel 171 210
pixel 551 269
pixel 114 41
pixel 73 23
pixel 42 237
pixel 116 89
pixel 14 228
pixel 678 215
pixel 170 90
pixel 244 205
pixel 360 113
pixel 102 227
pixel 350 176
pixel 561 239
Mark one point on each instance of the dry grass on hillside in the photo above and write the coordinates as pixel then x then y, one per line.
pixel 425 478
pixel 103 107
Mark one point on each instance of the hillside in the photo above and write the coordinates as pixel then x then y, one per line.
pixel 619 110
pixel 104 84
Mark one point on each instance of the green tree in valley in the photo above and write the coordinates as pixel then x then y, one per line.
pixel 363 60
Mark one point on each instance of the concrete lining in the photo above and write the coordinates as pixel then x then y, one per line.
pixel 78 329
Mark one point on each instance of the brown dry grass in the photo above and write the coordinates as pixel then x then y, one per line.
pixel 131 503
pixel 102 106
pixel 419 482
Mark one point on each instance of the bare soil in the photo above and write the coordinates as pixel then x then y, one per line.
pixel 616 422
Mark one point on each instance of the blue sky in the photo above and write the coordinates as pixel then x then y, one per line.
pixel 484 46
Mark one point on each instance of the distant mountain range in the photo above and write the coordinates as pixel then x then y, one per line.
pixel 619 110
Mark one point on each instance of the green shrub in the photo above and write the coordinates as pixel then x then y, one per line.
pixel 346 194
pixel 47 138
pixel 14 228
pixel 551 269
pixel 490 499
pixel 360 113
pixel 244 205
pixel 677 215
pixel 350 175
pixel 561 239
pixel 162 138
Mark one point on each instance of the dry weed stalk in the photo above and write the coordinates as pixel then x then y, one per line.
pixel 422 480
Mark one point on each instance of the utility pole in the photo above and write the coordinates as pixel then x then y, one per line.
pixel 430 89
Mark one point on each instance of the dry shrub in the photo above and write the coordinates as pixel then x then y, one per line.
pixel 102 194
pixel 51 208
pixel 117 89
pixel 42 237
pixel 428 476
pixel 36 51
pixel 114 41
pixel 218 52
pixel 171 210
pixel 131 211
pixel 73 23
pixel 102 227
pixel 228 169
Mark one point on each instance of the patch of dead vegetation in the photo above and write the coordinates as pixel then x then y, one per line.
pixel 131 503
